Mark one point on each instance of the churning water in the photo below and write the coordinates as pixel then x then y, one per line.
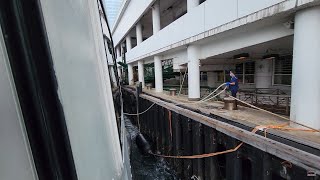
pixel 146 167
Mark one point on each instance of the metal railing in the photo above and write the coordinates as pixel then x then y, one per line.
pixel 274 100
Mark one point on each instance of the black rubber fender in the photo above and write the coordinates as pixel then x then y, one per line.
pixel 143 144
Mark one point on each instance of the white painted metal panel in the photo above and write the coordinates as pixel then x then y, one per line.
pixel 16 161
pixel 76 43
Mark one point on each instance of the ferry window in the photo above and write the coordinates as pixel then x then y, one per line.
pixel 282 70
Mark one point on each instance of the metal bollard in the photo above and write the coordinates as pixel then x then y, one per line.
pixel 230 104
pixel 172 92
pixel 149 86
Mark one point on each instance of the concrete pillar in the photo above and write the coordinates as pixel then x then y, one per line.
pixel 156 17
pixel 193 73
pixel 118 52
pixel 158 74
pixel 113 77
pixel 119 72
pixel 141 72
pixel 128 43
pixel 192 4
pixel 263 73
pixel 211 79
pixel 305 88
pixel 139 33
pixel 130 74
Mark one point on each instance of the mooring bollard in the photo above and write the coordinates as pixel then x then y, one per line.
pixel 149 86
pixel 230 103
pixel 172 91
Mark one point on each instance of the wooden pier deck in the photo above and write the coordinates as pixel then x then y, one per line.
pixel 246 116
pixel 299 148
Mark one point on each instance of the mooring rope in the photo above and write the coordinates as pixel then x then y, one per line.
pixel 257 128
pixel 198 156
pixel 140 112
pixel 285 118
pixel 204 99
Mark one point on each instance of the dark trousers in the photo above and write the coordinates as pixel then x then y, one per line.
pixel 234 94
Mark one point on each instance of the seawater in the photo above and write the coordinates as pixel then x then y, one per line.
pixel 146 167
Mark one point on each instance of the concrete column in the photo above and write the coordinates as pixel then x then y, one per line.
pixel 192 4
pixel 211 79
pixel 193 73
pixel 118 52
pixel 139 33
pixel 130 74
pixel 128 43
pixel 305 88
pixel 158 74
pixel 141 72
pixel 119 72
pixel 156 17
pixel 113 77
pixel 263 73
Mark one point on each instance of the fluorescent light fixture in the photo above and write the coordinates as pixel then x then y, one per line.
pixel 270 56
pixel 241 56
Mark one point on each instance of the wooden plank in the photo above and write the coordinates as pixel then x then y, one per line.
pixel 197 139
pixel 187 146
pixel 303 159
pixel 210 145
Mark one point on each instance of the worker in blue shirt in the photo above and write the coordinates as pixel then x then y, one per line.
pixel 233 84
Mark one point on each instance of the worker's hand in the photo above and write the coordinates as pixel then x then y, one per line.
pixel 227 83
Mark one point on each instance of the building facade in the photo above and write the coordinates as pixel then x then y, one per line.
pixel 269 44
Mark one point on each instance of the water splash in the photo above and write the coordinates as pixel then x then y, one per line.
pixel 145 167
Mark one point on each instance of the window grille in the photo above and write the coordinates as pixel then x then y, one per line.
pixel 249 72
pixel 282 73
pixel 245 72
pixel 220 76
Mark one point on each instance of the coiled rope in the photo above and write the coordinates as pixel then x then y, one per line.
pixel 140 112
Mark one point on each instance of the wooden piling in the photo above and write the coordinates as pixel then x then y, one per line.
pixel 187 137
pixel 197 139
pixel 187 146
pixel 266 167
pixel 210 145
pixel 233 164
pixel 177 143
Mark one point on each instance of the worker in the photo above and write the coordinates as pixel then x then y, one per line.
pixel 233 84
